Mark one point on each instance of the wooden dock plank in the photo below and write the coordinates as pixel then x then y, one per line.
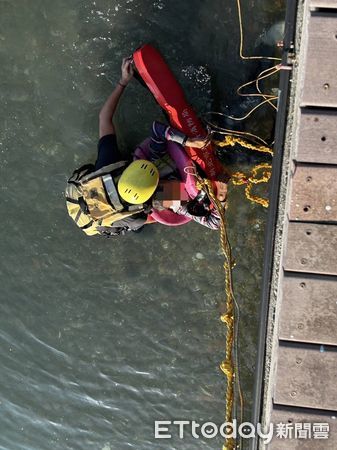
pixel 317 142
pixel 293 416
pixel 323 4
pixel 314 194
pixel 311 248
pixel 306 378
pixel 320 82
pixel 303 381
pixel 309 310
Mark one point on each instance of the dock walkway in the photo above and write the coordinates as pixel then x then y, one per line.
pixel 301 364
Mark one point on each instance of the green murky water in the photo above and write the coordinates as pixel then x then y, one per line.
pixel 100 338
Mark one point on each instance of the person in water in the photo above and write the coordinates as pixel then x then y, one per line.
pixel 94 183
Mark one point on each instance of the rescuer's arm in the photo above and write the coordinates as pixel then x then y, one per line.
pixel 197 142
pixel 162 133
pixel 107 112
pixel 168 133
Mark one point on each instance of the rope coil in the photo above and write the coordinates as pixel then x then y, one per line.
pixel 239 178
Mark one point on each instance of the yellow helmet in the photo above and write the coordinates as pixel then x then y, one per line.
pixel 138 182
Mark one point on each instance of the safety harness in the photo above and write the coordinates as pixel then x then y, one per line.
pixel 93 201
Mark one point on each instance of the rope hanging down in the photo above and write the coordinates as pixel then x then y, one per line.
pixel 241 39
pixel 230 366
pixel 267 98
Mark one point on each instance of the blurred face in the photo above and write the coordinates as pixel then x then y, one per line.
pixel 169 193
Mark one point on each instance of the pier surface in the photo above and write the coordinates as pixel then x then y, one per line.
pixel 301 362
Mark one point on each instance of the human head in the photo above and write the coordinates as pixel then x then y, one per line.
pixel 138 182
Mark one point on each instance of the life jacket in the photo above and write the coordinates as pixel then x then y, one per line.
pixel 93 201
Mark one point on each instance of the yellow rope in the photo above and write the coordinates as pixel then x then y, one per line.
pixel 267 98
pixel 239 178
pixel 228 366
pixel 241 39
pixel 233 140
pixel 217 129
pixel 249 113
pixel 257 84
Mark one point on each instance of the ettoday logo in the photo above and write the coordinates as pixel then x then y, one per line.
pixel 163 429
pixel 166 429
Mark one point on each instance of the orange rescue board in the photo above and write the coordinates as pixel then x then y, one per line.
pixel 167 91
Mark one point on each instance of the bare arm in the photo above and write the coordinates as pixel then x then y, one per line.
pixel 197 142
pixel 107 112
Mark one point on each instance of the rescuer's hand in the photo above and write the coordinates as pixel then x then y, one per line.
pixel 221 190
pixel 127 71
pixel 197 142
